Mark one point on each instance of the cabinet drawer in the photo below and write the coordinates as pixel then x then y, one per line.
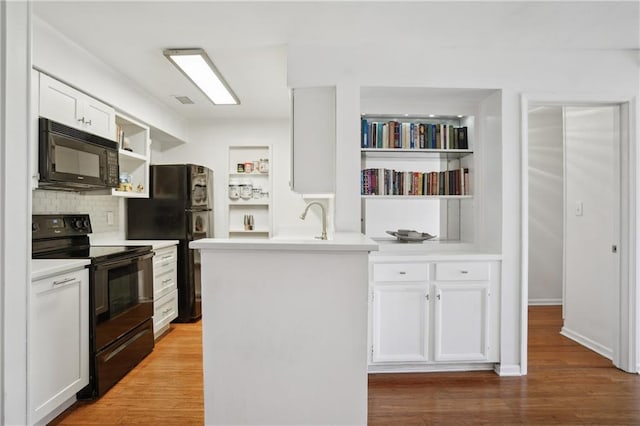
pixel 165 256
pixel 462 271
pixel 165 310
pixel 164 280
pixel 400 272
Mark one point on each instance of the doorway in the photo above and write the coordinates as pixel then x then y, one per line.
pixel 574 184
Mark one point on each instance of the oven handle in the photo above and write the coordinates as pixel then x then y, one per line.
pixel 122 262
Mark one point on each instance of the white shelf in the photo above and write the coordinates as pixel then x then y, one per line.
pixel 257 202
pixel 129 194
pixel 414 154
pixel 416 197
pixel 254 231
pixel 248 175
pixel 124 154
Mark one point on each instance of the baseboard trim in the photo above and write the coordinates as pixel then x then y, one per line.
pixel 545 302
pixel 503 370
pixel 587 343
pixel 428 368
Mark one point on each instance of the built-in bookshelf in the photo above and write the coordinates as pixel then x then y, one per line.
pixel 133 157
pixel 424 161
pixel 445 133
pixel 249 193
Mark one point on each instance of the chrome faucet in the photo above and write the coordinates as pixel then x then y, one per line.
pixel 324 218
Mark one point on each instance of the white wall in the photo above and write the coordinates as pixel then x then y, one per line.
pixel 15 247
pixel 65 60
pixel 209 146
pixel 578 73
pixel 592 138
pixel 546 198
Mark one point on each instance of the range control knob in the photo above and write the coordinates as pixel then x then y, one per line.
pixel 78 224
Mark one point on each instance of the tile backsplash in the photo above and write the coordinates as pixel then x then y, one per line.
pixel 97 206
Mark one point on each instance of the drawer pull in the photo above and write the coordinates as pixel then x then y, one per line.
pixel 64 281
pixel 166 311
pixel 402 273
pixel 464 272
pixel 167 281
pixel 168 256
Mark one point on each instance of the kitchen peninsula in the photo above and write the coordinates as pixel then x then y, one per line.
pixel 284 329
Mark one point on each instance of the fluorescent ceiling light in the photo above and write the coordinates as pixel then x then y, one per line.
pixel 196 65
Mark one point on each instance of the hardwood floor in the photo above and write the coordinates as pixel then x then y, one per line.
pixel 567 384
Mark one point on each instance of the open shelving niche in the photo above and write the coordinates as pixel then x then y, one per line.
pixel 136 161
pixel 449 217
pixel 258 207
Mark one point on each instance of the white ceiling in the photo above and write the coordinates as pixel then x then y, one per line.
pixel 247 40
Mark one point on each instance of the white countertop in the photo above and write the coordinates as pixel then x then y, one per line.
pixel 44 268
pixel 433 250
pixel 156 244
pixel 341 241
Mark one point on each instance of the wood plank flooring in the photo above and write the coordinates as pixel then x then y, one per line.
pixel 567 384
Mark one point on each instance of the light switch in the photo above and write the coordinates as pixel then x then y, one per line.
pixel 578 208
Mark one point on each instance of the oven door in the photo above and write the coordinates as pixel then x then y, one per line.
pixel 122 297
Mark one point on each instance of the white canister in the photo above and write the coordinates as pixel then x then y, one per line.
pixel 246 190
pixel 263 166
pixel 234 189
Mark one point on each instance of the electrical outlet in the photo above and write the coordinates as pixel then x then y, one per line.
pixel 110 219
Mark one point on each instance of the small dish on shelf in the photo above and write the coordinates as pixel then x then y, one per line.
pixel 410 236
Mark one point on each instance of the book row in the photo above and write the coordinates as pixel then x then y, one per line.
pixel 393 182
pixel 406 135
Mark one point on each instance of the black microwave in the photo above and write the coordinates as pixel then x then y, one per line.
pixel 74 160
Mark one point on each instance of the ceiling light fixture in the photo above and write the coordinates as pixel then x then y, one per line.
pixel 196 65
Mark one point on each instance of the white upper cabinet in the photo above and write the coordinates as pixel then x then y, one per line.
pixel 314 140
pixel 73 108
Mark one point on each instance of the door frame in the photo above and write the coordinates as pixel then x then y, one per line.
pixel 626 337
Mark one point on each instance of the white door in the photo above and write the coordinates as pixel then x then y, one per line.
pixel 461 321
pixel 400 322
pixel 592 185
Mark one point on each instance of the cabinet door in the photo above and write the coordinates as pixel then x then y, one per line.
pixel 74 108
pixel 400 322
pixel 461 321
pixel 60 102
pixel 59 341
pixel 99 118
pixel 314 140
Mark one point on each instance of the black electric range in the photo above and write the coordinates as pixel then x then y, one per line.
pixel 120 295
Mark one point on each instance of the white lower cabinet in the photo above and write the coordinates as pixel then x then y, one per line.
pixel 461 322
pixel 165 288
pixel 58 343
pixel 433 315
pixel 400 322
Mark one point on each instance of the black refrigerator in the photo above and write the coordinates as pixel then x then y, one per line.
pixel 179 207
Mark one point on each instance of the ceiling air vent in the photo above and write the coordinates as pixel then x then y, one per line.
pixel 184 100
